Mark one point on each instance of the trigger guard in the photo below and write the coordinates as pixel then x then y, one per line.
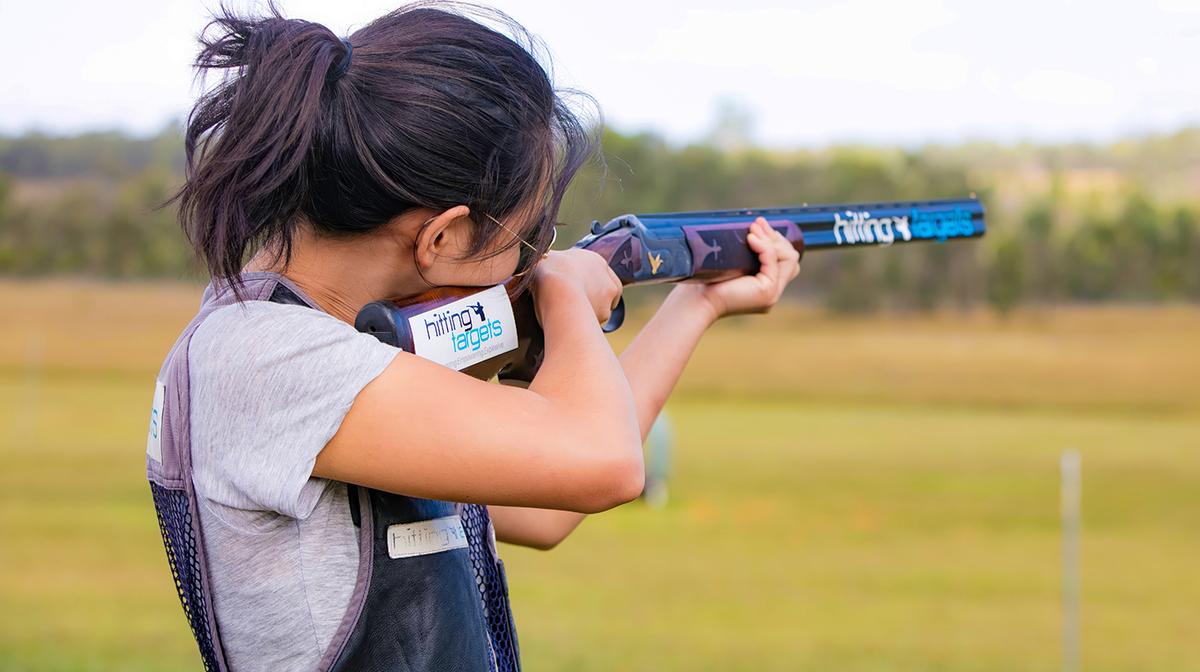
pixel 616 318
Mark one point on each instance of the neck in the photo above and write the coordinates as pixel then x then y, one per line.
pixel 343 275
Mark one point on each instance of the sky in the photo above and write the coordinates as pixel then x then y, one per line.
pixel 803 73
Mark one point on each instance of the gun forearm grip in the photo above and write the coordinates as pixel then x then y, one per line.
pixel 701 252
pixel 720 251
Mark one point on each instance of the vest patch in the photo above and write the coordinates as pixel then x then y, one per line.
pixel 467 331
pixel 154 433
pixel 425 537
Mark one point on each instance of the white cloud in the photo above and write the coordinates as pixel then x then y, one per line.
pixel 1060 87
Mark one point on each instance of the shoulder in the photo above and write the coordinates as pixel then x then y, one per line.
pixel 269 386
pixel 248 318
pixel 248 337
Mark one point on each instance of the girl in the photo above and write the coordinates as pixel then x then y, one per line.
pixel 327 501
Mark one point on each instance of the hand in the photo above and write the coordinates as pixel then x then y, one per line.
pixel 779 264
pixel 580 271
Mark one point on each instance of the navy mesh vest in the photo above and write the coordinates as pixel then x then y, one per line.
pixel 410 612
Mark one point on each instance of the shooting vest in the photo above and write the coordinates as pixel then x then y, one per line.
pixel 410 611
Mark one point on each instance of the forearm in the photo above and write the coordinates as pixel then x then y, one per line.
pixel 656 357
pixel 580 374
pixel 652 363
pixel 542 529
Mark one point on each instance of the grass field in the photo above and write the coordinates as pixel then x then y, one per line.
pixel 849 494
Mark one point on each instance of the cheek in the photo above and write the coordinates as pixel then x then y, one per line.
pixel 493 270
pixel 511 258
pixel 501 266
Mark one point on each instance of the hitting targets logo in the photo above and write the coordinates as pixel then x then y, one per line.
pixel 466 331
pixel 461 330
pixel 859 228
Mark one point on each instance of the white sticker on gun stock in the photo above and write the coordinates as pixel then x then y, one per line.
pixel 466 331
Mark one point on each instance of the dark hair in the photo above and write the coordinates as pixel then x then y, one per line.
pixel 434 109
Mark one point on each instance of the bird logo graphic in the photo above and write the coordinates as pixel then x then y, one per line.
pixel 625 256
pixel 704 248
pixel 655 262
pixel 478 308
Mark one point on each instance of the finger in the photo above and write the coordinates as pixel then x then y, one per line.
pixel 787 251
pixel 601 308
pixel 783 247
pixel 618 289
pixel 782 241
pixel 769 275
pixel 754 229
pixel 755 238
pixel 764 228
pixel 768 261
pixel 758 243
pixel 788 260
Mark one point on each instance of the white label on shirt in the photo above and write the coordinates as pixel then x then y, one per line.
pixel 154 434
pixel 425 537
pixel 466 331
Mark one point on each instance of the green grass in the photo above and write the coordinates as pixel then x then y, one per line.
pixel 906 520
pixel 804 536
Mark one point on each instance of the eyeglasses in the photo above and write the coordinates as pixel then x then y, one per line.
pixel 527 260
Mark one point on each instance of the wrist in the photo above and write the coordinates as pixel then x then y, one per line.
pixel 693 299
pixel 559 297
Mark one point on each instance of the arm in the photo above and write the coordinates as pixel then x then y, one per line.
pixel 569 441
pixel 652 363
pixel 656 357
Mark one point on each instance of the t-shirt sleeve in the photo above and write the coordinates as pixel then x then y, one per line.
pixel 270 385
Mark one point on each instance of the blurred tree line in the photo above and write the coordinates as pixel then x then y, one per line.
pixel 1075 222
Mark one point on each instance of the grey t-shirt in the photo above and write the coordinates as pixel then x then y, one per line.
pixel 270 384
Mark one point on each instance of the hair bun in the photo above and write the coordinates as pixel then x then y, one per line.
pixel 341 65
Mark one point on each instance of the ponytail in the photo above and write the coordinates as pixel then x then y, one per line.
pixel 249 138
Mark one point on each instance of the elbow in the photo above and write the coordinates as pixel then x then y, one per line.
pixel 632 480
pixel 617 482
pixel 544 543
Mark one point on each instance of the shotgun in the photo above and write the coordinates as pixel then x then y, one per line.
pixel 486 331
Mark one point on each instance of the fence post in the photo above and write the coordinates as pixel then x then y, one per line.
pixel 1069 468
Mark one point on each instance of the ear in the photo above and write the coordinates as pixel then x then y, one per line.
pixel 445 235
